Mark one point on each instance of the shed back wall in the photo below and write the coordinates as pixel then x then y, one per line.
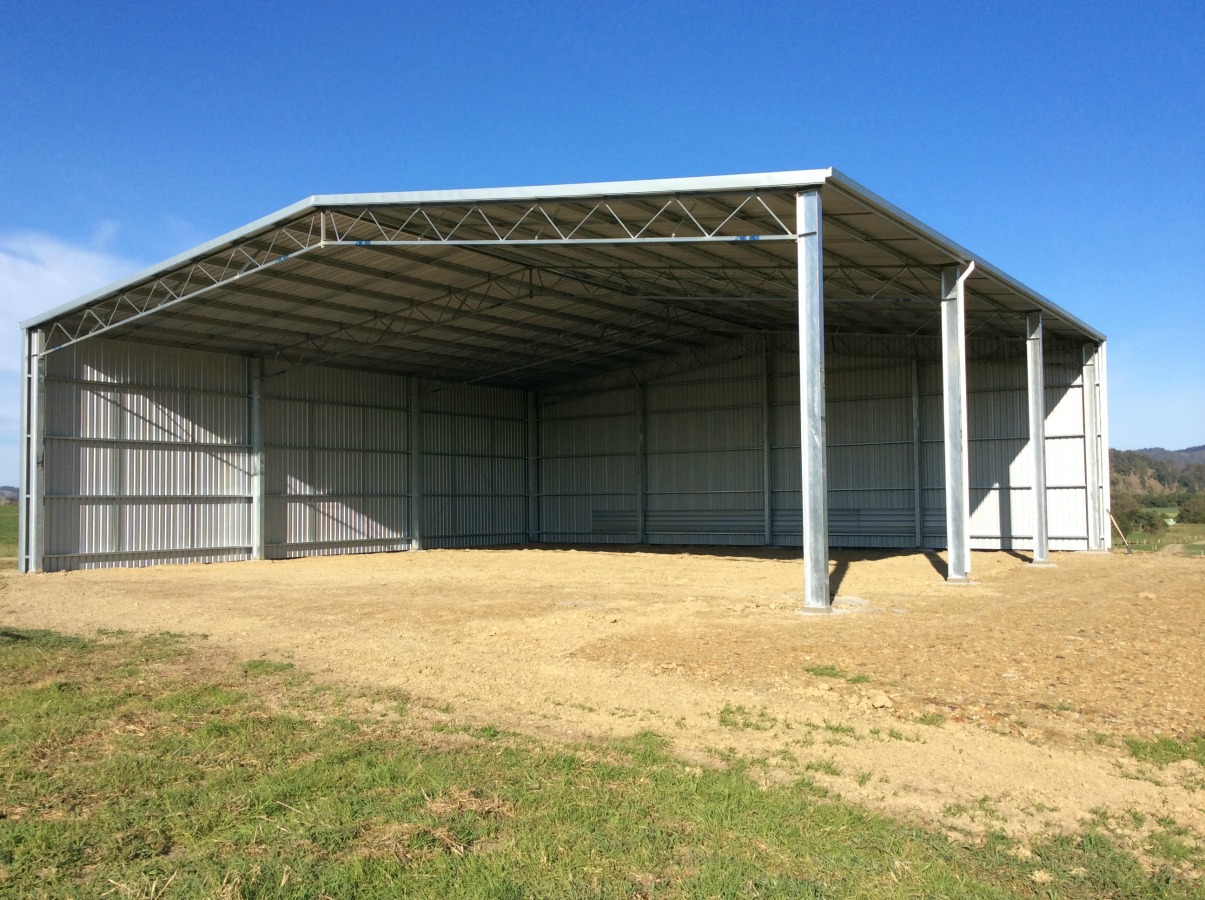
pixel 717 434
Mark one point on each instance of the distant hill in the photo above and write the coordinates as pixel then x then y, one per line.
pixel 1158 471
pixel 7 490
pixel 1187 457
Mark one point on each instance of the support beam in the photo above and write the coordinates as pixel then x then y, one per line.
pixel 533 467
pixel 1102 400
pixel 954 409
pixel 1094 452
pixel 30 523
pixel 1036 383
pixel 767 460
pixel 811 400
pixel 416 463
pixel 642 469
pixel 255 430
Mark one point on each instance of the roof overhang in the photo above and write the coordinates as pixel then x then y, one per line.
pixel 537 286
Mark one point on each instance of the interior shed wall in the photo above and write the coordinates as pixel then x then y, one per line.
pixel 148 458
pixel 148 455
pixel 716 433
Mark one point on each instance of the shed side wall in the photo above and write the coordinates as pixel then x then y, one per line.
pixel 148 458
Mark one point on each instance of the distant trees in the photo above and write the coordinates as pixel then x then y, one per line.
pixel 1193 509
pixel 1142 475
pixel 1138 480
pixel 1126 511
pixel 1151 521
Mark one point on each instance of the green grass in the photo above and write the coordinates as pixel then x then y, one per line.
pixel 1165 750
pixel 8 531
pixel 742 718
pixel 827 671
pixel 140 767
pixel 1191 535
pixel 256 668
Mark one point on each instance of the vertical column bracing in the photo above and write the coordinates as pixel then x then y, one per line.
pixel 533 467
pixel 255 428
pixel 1036 385
pixel 954 416
pixel 811 400
pixel 416 463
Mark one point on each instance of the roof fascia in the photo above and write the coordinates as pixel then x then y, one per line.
pixel 756 181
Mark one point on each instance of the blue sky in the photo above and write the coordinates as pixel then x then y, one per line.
pixel 1065 142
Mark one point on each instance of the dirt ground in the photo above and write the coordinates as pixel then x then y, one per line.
pixel 1000 704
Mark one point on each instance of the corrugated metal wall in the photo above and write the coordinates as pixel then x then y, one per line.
pixel 148 454
pixel 148 457
pixel 336 459
pixel 474 466
pixel 589 469
pixel 707 439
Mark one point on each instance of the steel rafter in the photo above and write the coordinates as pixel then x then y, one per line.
pixel 558 221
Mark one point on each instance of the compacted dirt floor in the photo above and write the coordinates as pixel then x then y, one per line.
pixel 1001 704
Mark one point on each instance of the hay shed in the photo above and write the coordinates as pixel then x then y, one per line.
pixel 780 359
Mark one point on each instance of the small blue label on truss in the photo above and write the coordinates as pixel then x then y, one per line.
pixel 362 243
pixel 748 237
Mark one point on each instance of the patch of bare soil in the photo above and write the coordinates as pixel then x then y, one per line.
pixel 994 705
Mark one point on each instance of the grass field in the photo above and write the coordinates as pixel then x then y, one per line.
pixel 153 767
pixel 1191 536
pixel 8 532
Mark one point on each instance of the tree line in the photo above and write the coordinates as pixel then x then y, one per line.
pixel 1138 480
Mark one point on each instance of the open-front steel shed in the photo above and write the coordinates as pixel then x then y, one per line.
pixel 776 359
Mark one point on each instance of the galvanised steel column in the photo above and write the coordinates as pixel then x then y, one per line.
pixel 1092 450
pixel 1036 382
pixel 954 408
pixel 918 495
pixel 416 463
pixel 533 467
pixel 811 401
pixel 30 528
pixel 642 470
pixel 1102 399
pixel 258 486
pixel 767 461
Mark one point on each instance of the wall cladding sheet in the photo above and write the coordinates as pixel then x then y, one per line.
pixel 147 456
pixel 336 457
pixel 704 457
pixel 587 468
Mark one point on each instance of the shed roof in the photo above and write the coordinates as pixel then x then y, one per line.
pixel 536 286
